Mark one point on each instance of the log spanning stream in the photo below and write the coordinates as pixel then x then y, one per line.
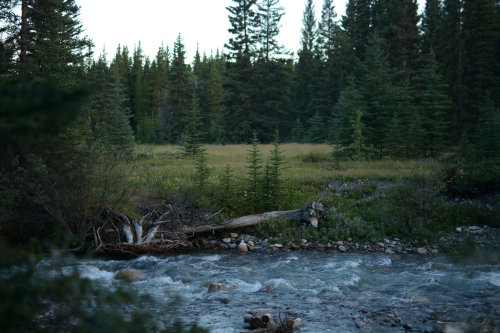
pixel 329 292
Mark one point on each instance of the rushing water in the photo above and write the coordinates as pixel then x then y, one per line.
pixel 330 292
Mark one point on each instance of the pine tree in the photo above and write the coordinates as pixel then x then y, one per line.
pixel 431 21
pixel 202 172
pixel 344 113
pixel 433 105
pixel 480 36
pixel 316 131
pixel 254 169
pixel 378 93
pixel 215 98
pixel 275 170
pixel 180 82
pixel 269 14
pixel 326 87
pixel 192 136
pixel 303 73
pixel 117 128
pixel 451 54
pixel 55 48
pixel 297 135
pixel 356 23
pixel 357 145
pixel 239 89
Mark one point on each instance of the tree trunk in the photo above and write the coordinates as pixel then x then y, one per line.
pixel 310 213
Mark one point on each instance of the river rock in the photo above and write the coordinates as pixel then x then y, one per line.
pixel 389 251
pixel 342 248
pixel 360 324
pixel 243 247
pixel 130 275
pixel 408 326
pixel 227 240
pixel 422 250
pixel 219 286
pixel 233 235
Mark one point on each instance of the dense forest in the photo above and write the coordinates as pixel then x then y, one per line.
pixel 381 79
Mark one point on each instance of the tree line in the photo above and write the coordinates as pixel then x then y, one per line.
pixel 380 80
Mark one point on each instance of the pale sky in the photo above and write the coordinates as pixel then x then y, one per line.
pixel 200 22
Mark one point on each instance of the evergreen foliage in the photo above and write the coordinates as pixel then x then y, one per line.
pixel 297 134
pixel 192 136
pixel 202 171
pixel 254 171
pixel 316 130
pixel 274 170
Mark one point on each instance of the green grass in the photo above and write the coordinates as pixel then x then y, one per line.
pixel 412 209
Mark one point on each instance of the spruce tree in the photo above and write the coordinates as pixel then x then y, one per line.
pixel 356 23
pixel 239 89
pixel 202 172
pixel 303 71
pixel 192 136
pixel 431 26
pixel 451 55
pixel 269 13
pixel 275 170
pixel 480 62
pixel 316 130
pixel 433 105
pixel 344 113
pixel 55 48
pixel 254 170
pixel 378 93
pixel 180 81
pixel 297 134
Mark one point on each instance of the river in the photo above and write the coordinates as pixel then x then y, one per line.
pixel 329 292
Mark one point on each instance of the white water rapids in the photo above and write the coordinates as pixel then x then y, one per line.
pixel 330 292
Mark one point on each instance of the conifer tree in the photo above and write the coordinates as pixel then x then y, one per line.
pixel 192 136
pixel 254 170
pixel 451 53
pixel 55 48
pixel 379 94
pixel 357 145
pixel 275 169
pixel 239 90
pixel 344 113
pixel 431 26
pixel 180 82
pixel 480 65
pixel 202 171
pixel 433 105
pixel 316 130
pixel 269 13
pixel 297 134
pixel 303 75
pixel 356 23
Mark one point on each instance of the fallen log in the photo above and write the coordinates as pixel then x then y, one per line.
pixel 310 213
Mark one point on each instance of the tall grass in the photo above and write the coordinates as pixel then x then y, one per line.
pixel 162 170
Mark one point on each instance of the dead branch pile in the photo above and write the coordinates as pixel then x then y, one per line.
pixel 263 322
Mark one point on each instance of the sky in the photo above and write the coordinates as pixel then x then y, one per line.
pixel 201 23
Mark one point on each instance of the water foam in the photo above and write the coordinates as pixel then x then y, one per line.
pixel 494 279
pixel 245 286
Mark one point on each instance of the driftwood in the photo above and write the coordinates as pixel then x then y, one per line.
pixel 166 230
pixel 310 213
pixel 262 322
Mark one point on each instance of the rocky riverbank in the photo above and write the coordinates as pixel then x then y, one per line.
pixel 462 239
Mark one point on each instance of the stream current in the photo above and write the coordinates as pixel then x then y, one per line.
pixel 329 292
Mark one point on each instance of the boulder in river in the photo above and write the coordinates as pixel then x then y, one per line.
pixel 243 247
pixel 130 275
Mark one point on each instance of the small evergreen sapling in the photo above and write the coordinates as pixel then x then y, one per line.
pixel 254 169
pixel 275 170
